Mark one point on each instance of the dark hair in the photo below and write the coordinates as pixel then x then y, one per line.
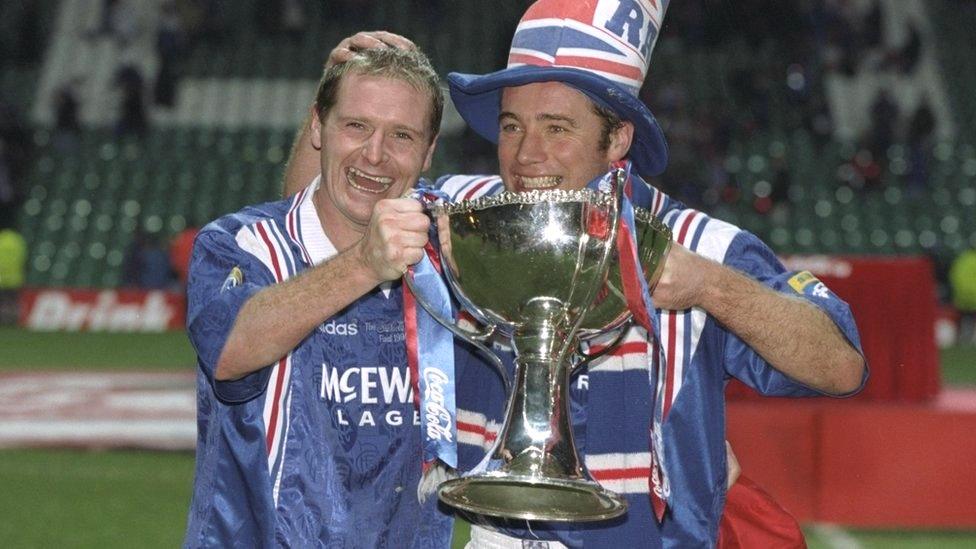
pixel 611 123
pixel 411 66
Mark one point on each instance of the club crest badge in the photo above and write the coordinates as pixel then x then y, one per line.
pixel 234 279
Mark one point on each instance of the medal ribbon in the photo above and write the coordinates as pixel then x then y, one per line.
pixel 638 297
pixel 430 352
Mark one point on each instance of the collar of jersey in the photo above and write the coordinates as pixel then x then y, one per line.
pixel 312 236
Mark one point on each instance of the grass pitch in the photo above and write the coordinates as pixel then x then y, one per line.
pixel 64 498
pixel 81 499
pixel 958 365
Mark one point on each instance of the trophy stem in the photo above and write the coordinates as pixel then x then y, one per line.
pixel 538 433
pixel 533 471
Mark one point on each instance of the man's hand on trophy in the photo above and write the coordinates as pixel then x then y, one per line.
pixel 683 281
pixel 395 238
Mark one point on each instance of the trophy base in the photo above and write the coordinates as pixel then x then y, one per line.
pixel 531 498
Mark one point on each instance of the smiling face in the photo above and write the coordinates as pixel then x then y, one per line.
pixel 374 142
pixel 550 137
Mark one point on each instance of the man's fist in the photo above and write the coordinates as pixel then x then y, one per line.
pixel 683 280
pixel 395 238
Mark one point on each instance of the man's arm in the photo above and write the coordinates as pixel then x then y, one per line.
pixel 273 321
pixel 303 161
pixel 792 335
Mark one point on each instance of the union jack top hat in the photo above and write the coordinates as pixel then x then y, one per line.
pixel 600 47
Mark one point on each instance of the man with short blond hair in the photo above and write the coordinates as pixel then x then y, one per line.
pixel 307 428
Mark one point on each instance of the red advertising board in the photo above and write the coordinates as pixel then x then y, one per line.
pixel 73 310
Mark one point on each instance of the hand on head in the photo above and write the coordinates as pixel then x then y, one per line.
pixel 366 40
pixel 395 238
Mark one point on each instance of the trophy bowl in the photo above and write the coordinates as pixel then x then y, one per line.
pixel 512 254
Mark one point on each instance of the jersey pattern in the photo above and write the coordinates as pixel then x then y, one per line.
pixel 700 356
pixel 322 448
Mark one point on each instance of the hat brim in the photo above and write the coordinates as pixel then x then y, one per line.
pixel 478 100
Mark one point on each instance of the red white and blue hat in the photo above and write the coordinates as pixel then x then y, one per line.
pixel 600 47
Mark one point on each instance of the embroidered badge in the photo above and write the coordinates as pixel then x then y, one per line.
pixel 801 280
pixel 235 278
pixel 805 283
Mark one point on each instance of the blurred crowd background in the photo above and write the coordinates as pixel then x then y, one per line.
pixel 842 132
pixel 840 127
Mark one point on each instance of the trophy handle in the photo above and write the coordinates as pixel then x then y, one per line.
pixel 474 337
pixel 617 195
pixel 586 358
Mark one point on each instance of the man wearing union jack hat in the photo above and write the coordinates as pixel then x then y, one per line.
pixel 562 113
pixel 565 109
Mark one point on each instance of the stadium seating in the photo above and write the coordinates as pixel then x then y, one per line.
pixel 83 207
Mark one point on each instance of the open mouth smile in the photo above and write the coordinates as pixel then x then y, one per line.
pixel 365 182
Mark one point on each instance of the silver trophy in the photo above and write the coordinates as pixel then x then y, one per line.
pixel 539 269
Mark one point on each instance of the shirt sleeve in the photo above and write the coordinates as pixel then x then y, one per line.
pixel 750 255
pixel 222 278
pixel 469 187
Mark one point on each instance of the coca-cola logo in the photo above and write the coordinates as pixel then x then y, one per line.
pixel 438 418
pixel 108 310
